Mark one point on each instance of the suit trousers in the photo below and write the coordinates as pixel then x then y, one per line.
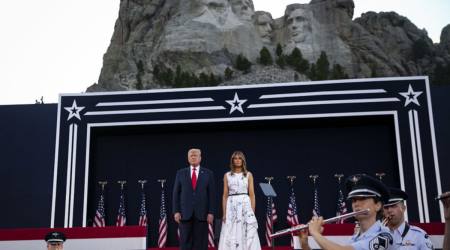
pixel 193 234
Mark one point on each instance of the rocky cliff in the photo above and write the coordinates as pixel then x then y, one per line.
pixel 156 41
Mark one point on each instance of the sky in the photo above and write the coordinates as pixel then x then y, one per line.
pixel 49 47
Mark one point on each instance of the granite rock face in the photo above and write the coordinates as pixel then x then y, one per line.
pixel 445 38
pixel 206 36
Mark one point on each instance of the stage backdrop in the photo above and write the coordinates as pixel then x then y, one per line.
pixel 285 129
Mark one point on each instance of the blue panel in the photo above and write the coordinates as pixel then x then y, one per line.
pixel 27 146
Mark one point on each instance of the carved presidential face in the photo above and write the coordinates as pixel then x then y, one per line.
pixel 263 23
pixel 243 9
pixel 215 6
pixel 215 12
pixel 347 5
pixel 299 25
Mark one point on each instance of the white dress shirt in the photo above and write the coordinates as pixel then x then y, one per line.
pixel 197 170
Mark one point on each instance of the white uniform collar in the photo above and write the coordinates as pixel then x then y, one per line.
pixel 401 228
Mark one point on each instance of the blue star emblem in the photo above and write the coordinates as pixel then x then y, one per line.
pixel 236 103
pixel 411 96
pixel 74 111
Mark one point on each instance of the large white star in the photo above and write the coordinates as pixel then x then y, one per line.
pixel 411 96
pixel 236 103
pixel 74 111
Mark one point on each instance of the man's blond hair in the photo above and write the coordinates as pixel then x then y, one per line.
pixel 194 150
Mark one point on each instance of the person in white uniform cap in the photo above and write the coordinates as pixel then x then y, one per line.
pixel 405 236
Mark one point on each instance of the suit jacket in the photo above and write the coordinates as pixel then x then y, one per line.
pixel 198 202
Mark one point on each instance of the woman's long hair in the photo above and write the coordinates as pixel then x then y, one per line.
pixel 241 155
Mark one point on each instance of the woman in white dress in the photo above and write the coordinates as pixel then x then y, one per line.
pixel 239 225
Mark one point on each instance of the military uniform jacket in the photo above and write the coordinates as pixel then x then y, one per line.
pixel 411 237
pixel 377 237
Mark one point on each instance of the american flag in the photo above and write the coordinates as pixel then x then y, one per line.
pixel 143 212
pixel 121 215
pixel 316 208
pixel 162 239
pixel 99 219
pixel 341 207
pixel 292 216
pixel 271 217
pixel 210 235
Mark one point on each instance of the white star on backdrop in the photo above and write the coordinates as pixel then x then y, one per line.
pixel 236 103
pixel 411 96
pixel 74 111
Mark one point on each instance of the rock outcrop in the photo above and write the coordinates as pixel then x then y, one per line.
pixel 206 36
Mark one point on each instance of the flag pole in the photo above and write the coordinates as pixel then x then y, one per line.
pixel 163 220
pixel 142 221
pixel 316 210
pixel 269 179
pixel 340 204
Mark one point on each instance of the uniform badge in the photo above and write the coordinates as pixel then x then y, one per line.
pixel 408 243
pixel 381 242
pixel 428 242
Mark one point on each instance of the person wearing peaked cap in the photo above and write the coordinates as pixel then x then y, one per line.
pixel 365 186
pixel 405 235
pixel 55 240
pixel 365 192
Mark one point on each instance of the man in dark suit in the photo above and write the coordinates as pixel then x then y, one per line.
pixel 193 202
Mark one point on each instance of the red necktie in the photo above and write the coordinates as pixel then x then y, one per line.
pixel 194 178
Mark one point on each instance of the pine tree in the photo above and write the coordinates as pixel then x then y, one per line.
pixel 228 73
pixel 312 72
pixel 194 81
pixel 302 66
pixel 243 64
pixel 296 60
pixel 323 67
pixel 279 50
pixel 203 79
pixel 281 61
pixel 212 80
pixel 167 77
pixel 338 72
pixel 186 79
pixel 265 58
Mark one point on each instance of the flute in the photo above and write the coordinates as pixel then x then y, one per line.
pixel 442 196
pixel 330 220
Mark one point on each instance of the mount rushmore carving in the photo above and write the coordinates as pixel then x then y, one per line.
pixel 206 36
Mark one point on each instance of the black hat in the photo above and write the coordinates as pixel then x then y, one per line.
pixel 362 185
pixel 396 195
pixel 55 237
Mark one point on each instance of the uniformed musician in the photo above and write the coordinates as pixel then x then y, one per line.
pixel 405 236
pixel 364 192
pixel 55 240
